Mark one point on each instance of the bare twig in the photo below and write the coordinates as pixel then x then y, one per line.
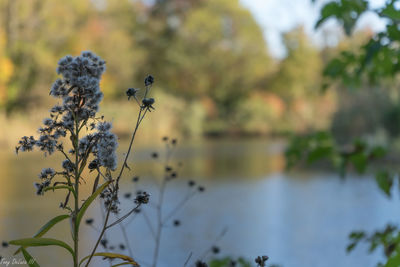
pixel 126 239
pixel 217 239
pixel 103 230
pixel 123 217
pixel 105 225
pixel 179 206
pixel 139 120
pixel 149 224
pixel 188 259
pixel 159 223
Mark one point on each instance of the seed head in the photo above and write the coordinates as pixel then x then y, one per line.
pixel 149 80
pixel 260 260
pixel 201 264
pixel 132 92
pixel 142 198
pixel 215 249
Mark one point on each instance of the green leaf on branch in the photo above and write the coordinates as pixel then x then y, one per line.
pixel 334 68
pixel 89 201
pixel 351 247
pixel 355 238
pixel 53 188
pixel 359 162
pixel 227 261
pixel 58 187
pixel 329 10
pixel 345 11
pixel 372 48
pixel 45 228
pixel 128 259
pixel 40 242
pixel 390 12
pixel 378 152
pixel 393 261
pixel 96 183
pixel 319 153
pixel 385 181
pixel 29 259
pixel 126 263
pixel 313 147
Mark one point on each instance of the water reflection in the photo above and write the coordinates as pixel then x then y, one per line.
pixel 300 219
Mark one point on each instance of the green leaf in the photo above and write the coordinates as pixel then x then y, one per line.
pixel 345 11
pixel 112 256
pixel 58 187
pixel 393 261
pixel 226 261
pixel 372 48
pixel 359 161
pixel 342 166
pixel 40 242
pixel 357 235
pixel 29 259
pixel 96 183
pixel 45 228
pixel 334 68
pixel 385 181
pixel 89 201
pixel 390 12
pixel 378 152
pixel 329 10
pixel 319 153
pixel 350 247
pixel 245 263
pixel 126 263
pixel 220 262
pixel 393 32
pixel 355 238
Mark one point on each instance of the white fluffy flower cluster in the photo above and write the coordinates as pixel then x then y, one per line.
pixel 106 146
pixel 79 88
pixel 80 92
pixel 46 175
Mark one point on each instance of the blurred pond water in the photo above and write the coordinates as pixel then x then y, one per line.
pixel 297 219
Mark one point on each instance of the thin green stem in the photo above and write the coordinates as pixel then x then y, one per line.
pixel 139 120
pixel 100 236
pixel 159 223
pixel 125 235
pixel 105 225
pixel 179 206
pixel 119 220
pixel 76 209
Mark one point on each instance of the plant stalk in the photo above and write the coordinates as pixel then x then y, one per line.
pixel 76 209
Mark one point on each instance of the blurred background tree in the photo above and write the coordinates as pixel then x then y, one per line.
pixel 216 75
pixel 298 81
pixel 32 38
pixel 373 66
pixel 210 59
pixel 208 52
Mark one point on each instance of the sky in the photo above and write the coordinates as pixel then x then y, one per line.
pixel 279 16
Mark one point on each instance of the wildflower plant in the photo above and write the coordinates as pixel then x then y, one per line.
pixel 156 215
pixel 159 217
pixel 93 147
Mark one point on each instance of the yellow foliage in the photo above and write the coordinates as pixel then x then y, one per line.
pixel 6 70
